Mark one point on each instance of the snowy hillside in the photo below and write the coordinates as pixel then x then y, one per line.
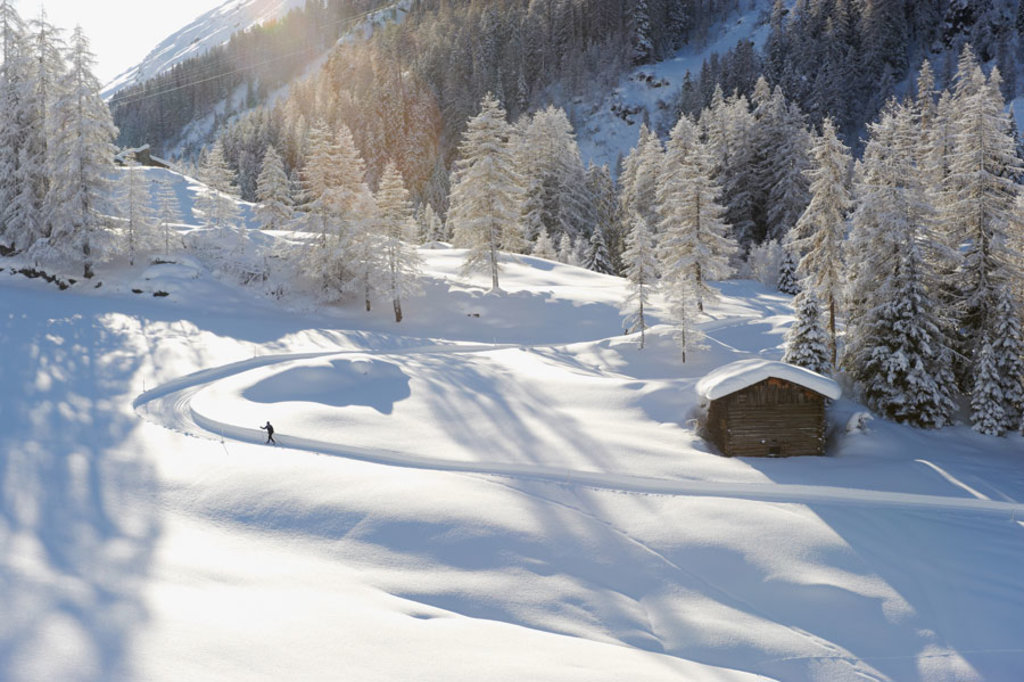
pixel 608 124
pixel 502 487
pixel 207 31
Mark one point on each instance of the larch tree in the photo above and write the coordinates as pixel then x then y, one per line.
pixel 15 70
pixel 402 262
pixel 217 202
pixel 640 264
pixel 34 203
pixel 557 195
pixel 273 192
pixel 486 191
pixel 84 132
pixel 135 206
pixel 821 229
pixel 638 181
pixel 168 211
pixel 978 215
pixel 693 246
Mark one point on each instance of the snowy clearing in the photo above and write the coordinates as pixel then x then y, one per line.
pixel 501 487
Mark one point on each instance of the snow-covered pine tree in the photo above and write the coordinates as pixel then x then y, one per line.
pixel 821 230
pixel 401 261
pixel 217 202
pixel 273 192
pixel 358 251
pixel 692 242
pixel 432 227
pixel 15 68
pixel 640 264
pixel 896 347
pixel 557 195
pixel 135 206
pixel 84 133
pixel 728 125
pixel 765 263
pixel 543 248
pixel 601 189
pixel 784 181
pixel 566 252
pixel 789 282
pixel 639 18
pixel 807 341
pixel 638 181
pixel 987 400
pixel 168 211
pixel 597 256
pixel 33 204
pixel 902 362
pixel 486 191
pixel 977 210
pixel 1008 356
pixel 337 206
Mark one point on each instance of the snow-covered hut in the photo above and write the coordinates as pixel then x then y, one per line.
pixel 761 408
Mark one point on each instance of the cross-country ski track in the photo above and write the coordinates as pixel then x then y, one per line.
pixel 171 406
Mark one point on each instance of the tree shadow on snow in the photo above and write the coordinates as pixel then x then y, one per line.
pixel 78 514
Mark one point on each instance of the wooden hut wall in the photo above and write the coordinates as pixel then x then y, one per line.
pixel 770 418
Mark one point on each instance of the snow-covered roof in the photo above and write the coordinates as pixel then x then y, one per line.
pixel 736 376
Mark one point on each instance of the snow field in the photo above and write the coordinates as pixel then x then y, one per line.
pixel 145 533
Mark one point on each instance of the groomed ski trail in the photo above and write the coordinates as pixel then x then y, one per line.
pixel 170 405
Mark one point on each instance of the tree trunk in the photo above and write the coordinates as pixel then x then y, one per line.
pixel 398 310
pixel 832 326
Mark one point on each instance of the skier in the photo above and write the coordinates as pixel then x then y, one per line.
pixel 270 433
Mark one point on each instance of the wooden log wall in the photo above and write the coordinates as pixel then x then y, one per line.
pixel 773 418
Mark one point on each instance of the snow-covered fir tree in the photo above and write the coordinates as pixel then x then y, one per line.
pixel 789 282
pixel 988 415
pixel 640 264
pixel 84 131
pixel 821 230
pixel 273 191
pixel 807 341
pixel 896 349
pixel 693 246
pixel 401 260
pixel 597 257
pixel 486 191
pixel 1008 353
pixel 604 203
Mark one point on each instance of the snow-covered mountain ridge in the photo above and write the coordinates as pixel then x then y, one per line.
pixel 207 31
